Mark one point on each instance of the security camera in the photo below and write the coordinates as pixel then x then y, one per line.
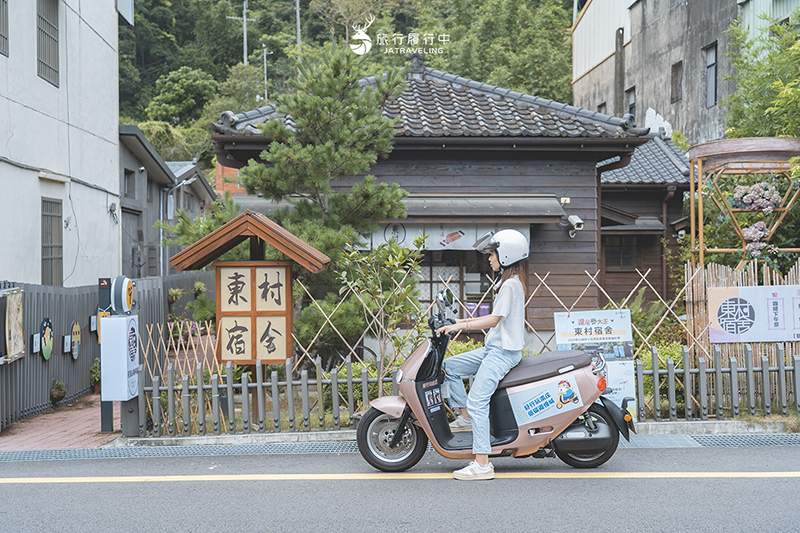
pixel 576 222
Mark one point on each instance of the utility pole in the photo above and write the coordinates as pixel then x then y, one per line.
pixel 264 47
pixel 244 19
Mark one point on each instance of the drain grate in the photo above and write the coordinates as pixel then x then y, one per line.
pixel 181 451
pixel 782 439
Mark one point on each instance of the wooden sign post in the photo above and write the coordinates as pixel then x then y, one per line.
pixel 254 312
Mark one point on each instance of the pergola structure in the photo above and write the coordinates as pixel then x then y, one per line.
pixel 735 158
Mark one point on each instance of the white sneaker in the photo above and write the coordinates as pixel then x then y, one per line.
pixel 475 472
pixel 461 423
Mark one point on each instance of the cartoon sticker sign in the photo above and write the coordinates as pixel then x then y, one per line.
pixel 537 403
pixel 255 311
pixel 48 338
pixel 75 340
pixel 769 313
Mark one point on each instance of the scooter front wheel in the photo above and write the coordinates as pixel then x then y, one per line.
pixel 374 435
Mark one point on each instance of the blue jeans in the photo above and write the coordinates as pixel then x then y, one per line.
pixel 490 364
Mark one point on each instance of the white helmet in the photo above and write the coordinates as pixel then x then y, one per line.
pixel 511 246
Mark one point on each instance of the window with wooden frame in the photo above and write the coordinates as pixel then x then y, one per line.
pixel 620 252
pixel 47 40
pixel 467 274
pixel 677 82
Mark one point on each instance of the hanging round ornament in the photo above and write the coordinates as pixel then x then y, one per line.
pixel 48 338
pixel 76 339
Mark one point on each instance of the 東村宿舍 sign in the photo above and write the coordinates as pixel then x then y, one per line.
pixel 769 313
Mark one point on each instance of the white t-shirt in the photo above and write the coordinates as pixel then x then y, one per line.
pixel 509 304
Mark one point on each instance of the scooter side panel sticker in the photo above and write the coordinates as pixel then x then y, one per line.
pixel 546 400
pixel 433 399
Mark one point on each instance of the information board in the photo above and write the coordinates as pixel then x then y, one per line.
pixel 767 313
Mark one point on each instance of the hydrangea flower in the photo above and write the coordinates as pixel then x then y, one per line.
pixel 757 197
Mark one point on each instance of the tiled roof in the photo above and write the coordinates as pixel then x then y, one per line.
pixel 656 162
pixel 179 168
pixel 438 104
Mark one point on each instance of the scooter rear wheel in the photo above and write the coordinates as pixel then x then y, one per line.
pixel 600 416
pixel 376 431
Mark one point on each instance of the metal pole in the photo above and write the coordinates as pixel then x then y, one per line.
pixel 297 17
pixel 244 18
pixel 264 47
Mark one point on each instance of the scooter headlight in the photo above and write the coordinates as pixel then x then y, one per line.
pixel 399 376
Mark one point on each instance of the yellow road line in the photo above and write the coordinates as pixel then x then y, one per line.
pixel 383 476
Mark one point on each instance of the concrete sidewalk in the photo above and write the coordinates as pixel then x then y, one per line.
pixel 78 426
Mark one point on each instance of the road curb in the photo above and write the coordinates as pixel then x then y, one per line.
pixel 711 427
pixel 699 427
pixel 251 438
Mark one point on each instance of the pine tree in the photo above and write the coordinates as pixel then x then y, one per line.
pixel 330 128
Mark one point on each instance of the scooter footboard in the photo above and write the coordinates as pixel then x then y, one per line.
pixel 391 405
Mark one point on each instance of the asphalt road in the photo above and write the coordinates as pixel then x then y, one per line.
pixel 638 490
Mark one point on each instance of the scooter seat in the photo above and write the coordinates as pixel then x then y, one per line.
pixel 544 366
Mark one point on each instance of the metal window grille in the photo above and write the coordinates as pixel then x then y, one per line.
pixel 52 242
pixel 47 40
pixel 4 27
pixel 152 261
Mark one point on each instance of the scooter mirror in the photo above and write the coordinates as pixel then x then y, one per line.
pixel 444 299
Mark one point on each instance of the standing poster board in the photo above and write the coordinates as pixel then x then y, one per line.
pixel 15 338
pixel 254 312
pixel 608 333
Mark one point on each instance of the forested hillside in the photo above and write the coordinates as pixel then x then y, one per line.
pixel 181 64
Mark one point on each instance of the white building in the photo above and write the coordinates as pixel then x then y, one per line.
pixel 59 142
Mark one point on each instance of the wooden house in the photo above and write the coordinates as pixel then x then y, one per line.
pixel 475 157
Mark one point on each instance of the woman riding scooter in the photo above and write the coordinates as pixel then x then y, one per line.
pixel 508 252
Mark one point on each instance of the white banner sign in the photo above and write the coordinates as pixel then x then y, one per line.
pixel 440 236
pixel 769 313
pixel 602 332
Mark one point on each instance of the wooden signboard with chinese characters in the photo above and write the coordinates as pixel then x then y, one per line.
pixel 254 312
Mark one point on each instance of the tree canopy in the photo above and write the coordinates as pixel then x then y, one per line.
pixel 521 45
pixel 765 103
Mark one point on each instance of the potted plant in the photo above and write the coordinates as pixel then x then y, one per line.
pixel 94 375
pixel 58 392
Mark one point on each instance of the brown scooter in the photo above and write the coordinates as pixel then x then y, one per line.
pixel 548 404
